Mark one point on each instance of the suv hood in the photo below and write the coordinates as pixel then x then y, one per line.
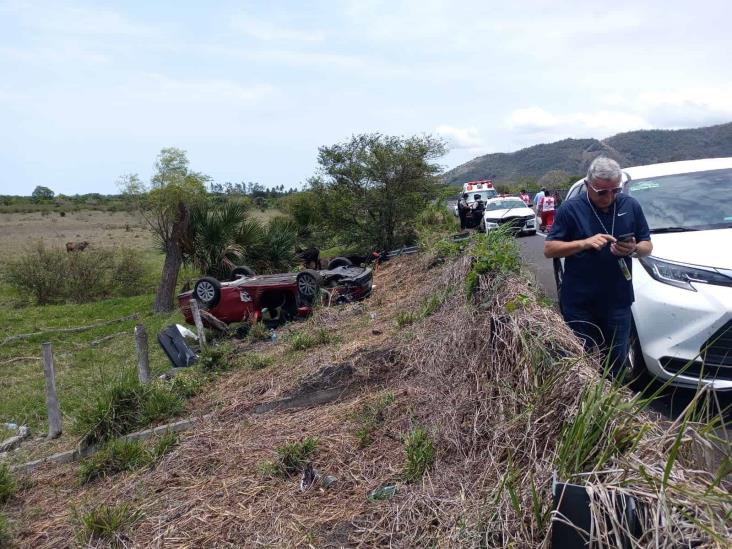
pixel 499 214
pixel 712 248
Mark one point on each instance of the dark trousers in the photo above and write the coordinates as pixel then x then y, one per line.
pixel 607 328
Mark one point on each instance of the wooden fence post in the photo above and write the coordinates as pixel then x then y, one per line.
pixel 195 311
pixel 143 362
pixel 54 412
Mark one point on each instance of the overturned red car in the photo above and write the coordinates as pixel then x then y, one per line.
pixel 277 297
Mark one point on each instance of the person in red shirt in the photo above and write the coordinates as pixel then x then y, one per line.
pixel 547 207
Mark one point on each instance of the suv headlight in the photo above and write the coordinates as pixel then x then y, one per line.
pixel 682 276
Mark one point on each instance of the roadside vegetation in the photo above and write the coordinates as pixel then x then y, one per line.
pixel 450 432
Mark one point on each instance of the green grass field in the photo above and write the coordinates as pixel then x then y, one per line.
pixel 84 361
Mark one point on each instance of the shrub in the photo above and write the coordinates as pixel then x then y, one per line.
pixel 114 457
pixel 215 358
pixel 88 275
pixel 295 455
pixel 8 486
pixel 106 523
pixel 187 383
pixel 39 272
pixel 259 332
pixel 497 253
pixel 129 272
pixel 124 406
pixel 419 454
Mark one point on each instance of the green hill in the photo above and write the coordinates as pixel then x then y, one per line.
pixel 574 155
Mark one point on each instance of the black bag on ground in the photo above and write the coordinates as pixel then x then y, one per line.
pixel 175 346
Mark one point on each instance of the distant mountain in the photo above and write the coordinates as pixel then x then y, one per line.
pixel 574 155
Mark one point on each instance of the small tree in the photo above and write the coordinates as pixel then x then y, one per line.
pixel 165 205
pixel 373 187
pixel 41 193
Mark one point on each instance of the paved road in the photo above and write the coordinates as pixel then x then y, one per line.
pixel 532 252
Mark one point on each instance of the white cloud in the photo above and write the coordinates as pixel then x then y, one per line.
pixel 267 31
pixel 598 124
pixel 461 138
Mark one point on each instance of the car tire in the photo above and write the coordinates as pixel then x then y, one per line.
pixel 207 291
pixel 339 262
pixel 531 233
pixel 308 285
pixel 241 270
pixel 558 275
pixel 637 375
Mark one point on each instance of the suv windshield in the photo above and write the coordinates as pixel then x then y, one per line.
pixel 505 204
pixel 697 200
pixel 484 195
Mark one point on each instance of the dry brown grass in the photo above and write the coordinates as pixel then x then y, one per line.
pixel 486 378
pixel 100 229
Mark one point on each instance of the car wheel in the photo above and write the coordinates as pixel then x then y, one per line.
pixel 531 233
pixel 558 274
pixel 240 271
pixel 637 375
pixel 339 262
pixel 207 291
pixel 308 285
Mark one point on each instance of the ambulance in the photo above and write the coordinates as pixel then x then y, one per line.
pixel 483 187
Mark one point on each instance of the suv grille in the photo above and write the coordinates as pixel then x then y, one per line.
pixel 718 348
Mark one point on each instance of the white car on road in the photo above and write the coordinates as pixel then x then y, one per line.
pixel 682 315
pixel 508 210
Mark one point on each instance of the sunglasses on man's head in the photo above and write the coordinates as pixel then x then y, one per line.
pixel 603 192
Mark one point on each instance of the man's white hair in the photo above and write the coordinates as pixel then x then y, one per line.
pixel 604 168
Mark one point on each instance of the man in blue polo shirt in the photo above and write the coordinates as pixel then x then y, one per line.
pixel 597 232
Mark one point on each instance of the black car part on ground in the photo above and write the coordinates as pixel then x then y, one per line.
pixel 339 262
pixel 572 520
pixel 175 347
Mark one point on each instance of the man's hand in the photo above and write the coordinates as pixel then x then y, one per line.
pixel 624 247
pixel 598 242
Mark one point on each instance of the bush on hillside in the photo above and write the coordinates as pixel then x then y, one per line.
pixel 51 275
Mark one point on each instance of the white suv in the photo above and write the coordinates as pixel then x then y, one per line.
pixel 682 315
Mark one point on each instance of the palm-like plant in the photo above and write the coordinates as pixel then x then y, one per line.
pixel 219 237
pixel 276 252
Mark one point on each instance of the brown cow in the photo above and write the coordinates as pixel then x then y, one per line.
pixel 76 246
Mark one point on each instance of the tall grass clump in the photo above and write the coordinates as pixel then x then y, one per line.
pixel 299 341
pixel 124 406
pixel 114 457
pixel 292 458
pixel 106 523
pixel 419 454
pixel 496 253
pixel 8 484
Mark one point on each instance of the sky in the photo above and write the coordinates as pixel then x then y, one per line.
pixel 90 91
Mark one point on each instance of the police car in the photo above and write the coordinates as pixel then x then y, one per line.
pixel 508 210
